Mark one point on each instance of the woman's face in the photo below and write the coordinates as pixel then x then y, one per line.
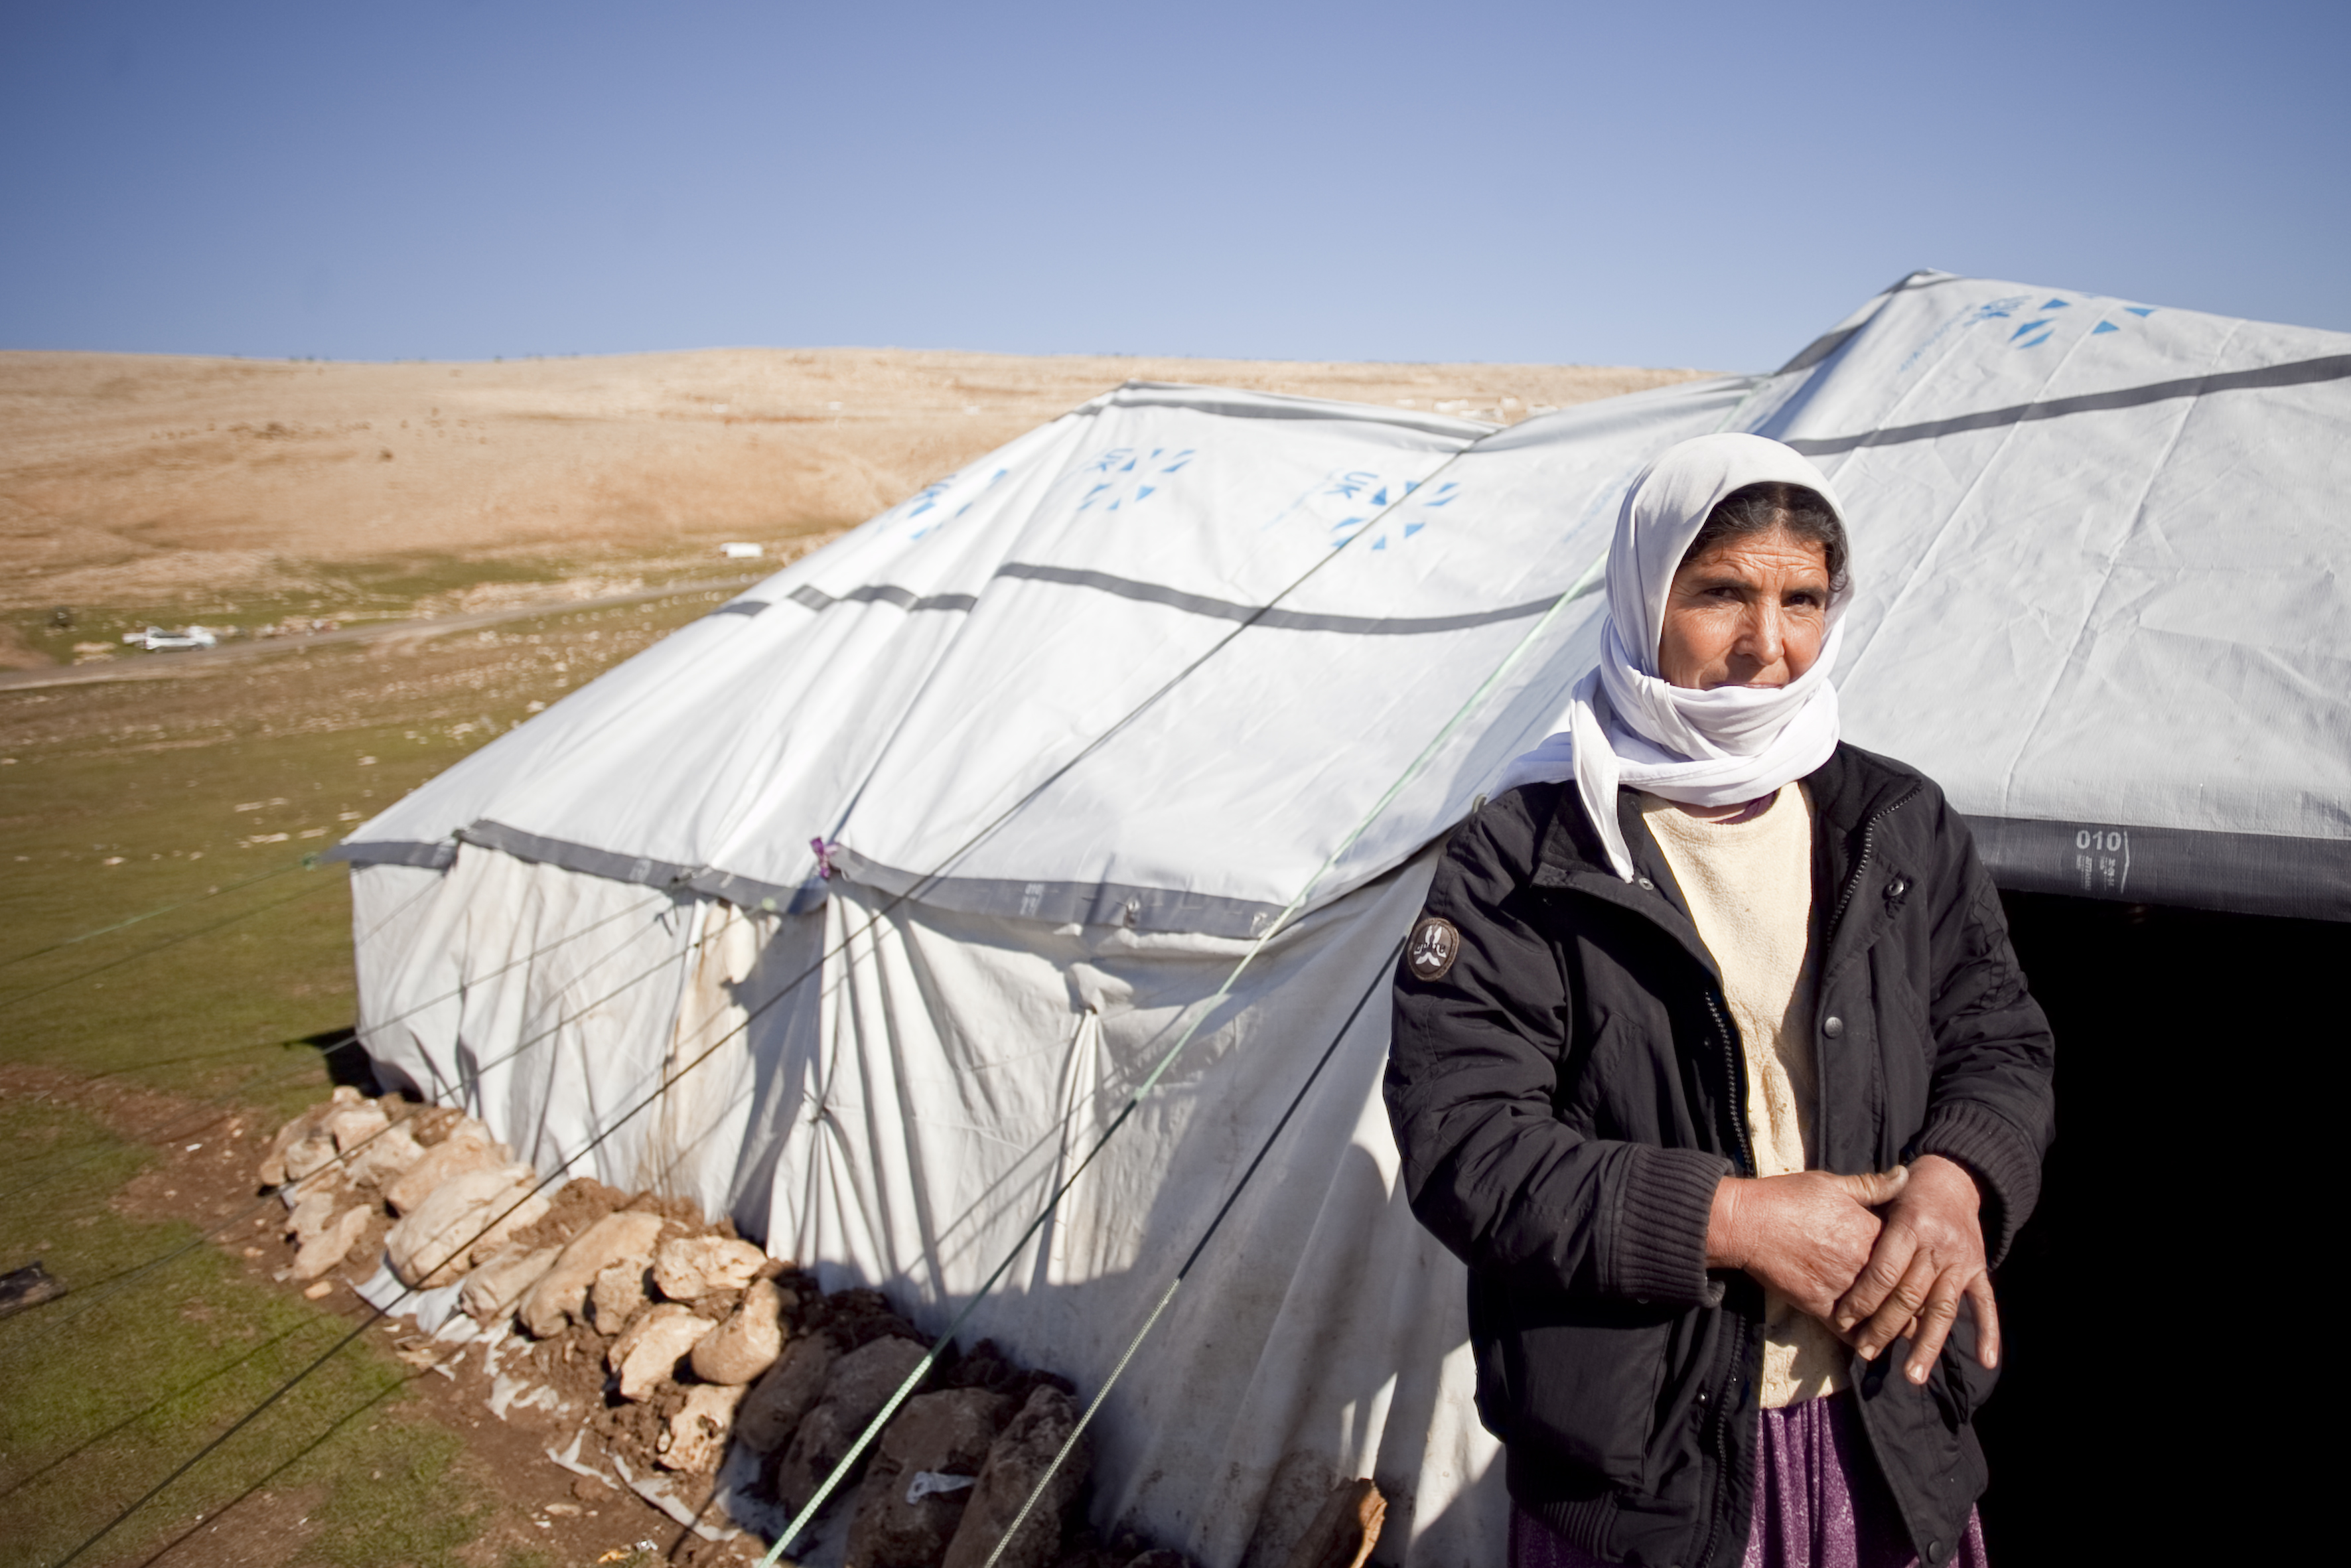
pixel 1750 612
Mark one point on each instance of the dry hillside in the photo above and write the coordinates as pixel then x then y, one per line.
pixel 150 484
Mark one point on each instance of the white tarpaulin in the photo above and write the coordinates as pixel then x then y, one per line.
pixel 1076 723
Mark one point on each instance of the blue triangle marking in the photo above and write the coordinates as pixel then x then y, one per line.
pixel 2104 327
pixel 2055 305
pixel 1411 528
pixel 1382 543
pixel 2028 327
pixel 2142 311
pixel 1381 499
pixel 1145 490
pixel 2035 342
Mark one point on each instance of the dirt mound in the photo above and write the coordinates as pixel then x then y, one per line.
pixel 150 480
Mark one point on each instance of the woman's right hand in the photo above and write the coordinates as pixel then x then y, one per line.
pixel 1807 1236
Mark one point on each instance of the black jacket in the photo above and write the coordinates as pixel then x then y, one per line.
pixel 1570 1092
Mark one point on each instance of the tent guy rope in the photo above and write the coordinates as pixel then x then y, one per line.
pixel 1201 1012
pixel 562 1168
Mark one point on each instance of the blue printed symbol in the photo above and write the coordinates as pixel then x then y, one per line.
pixel 1149 470
pixel 2043 327
pixel 931 498
pixel 1410 514
pixel 1346 502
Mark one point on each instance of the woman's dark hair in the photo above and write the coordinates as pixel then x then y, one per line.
pixel 1759 508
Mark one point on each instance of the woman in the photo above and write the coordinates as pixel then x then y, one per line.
pixel 1713 1062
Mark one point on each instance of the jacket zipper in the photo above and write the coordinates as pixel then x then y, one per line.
pixel 1735 1080
pixel 1722 1446
pixel 1861 864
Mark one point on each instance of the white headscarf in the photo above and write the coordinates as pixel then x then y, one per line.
pixel 1625 724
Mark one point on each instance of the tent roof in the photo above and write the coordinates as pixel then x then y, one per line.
pixel 1152 663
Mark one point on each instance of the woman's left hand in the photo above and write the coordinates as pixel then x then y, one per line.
pixel 1929 1257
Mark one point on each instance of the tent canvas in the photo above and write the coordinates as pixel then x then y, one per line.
pixel 1017 772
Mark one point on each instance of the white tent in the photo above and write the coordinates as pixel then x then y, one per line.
pixel 1075 726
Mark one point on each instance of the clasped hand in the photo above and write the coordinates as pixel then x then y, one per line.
pixel 1875 1257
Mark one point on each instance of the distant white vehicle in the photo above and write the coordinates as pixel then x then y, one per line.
pixel 742 552
pixel 155 640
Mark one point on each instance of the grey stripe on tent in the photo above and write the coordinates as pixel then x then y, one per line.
pixel 1820 349
pixel 750 893
pixel 2300 372
pixel 1281 620
pixel 1062 902
pixel 742 607
pixel 1207 401
pixel 1828 343
pixel 2252 873
pixel 1190 604
pixel 816 598
pixel 438 856
pixel 574 857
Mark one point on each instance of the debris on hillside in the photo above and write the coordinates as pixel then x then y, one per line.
pixel 28 1286
pixel 656 1352
pixel 156 640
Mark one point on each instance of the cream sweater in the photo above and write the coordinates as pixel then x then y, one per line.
pixel 1749 889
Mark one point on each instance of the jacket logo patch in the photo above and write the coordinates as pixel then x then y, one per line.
pixel 1435 945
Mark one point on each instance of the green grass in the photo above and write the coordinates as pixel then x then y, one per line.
pixel 216 986
pixel 126 799
pixel 111 1387
pixel 225 999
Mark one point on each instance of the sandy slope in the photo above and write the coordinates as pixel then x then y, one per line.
pixel 147 480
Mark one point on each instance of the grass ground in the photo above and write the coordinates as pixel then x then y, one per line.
pixel 199 796
pixel 352 592
pixel 108 1391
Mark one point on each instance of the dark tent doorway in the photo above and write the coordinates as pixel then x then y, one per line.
pixel 2165 1308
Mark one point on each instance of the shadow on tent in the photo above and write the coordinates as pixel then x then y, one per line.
pixel 2165 1301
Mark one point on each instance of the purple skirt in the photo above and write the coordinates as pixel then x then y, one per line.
pixel 1818 1504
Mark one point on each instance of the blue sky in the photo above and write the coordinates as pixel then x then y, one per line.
pixel 1672 184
